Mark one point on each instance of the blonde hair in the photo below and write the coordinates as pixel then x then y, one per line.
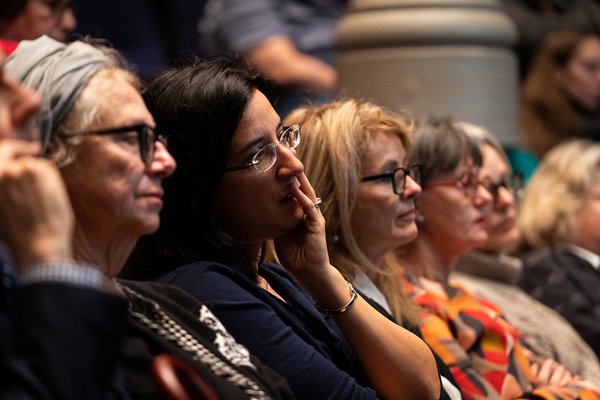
pixel 556 193
pixel 334 142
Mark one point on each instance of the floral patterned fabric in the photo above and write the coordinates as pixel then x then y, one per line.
pixel 481 348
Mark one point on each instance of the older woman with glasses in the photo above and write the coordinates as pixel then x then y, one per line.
pixel 98 131
pixel 482 349
pixel 240 184
pixel 492 274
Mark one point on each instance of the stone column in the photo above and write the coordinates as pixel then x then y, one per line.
pixel 443 57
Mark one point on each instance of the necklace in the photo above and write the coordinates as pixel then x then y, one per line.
pixel 150 314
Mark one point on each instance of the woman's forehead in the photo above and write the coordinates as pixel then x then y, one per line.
pixel 120 100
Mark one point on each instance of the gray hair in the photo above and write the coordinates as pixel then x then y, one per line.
pixel 439 144
pixel 484 137
pixel 59 73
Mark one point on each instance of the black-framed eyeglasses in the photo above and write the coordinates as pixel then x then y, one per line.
pixel 146 138
pixel 513 182
pixel 468 182
pixel 398 177
pixel 265 157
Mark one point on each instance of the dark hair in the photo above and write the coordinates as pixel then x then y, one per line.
pixel 198 108
pixel 439 144
pixel 548 114
pixel 10 9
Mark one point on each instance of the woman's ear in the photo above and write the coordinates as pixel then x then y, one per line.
pixel 559 74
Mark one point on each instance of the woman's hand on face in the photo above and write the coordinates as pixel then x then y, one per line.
pixel 303 250
pixel 37 219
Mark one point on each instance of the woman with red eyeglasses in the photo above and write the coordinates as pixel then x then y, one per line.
pixel 493 274
pixel 483 350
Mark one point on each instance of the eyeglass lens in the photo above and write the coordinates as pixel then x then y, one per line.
pixel 147 139
pixel 400 178
pixel 470 182
pixel 266 157
pixel 514 183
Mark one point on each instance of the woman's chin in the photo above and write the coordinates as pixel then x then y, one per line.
pixel 149 226
pixel 478 242
pixel 407 235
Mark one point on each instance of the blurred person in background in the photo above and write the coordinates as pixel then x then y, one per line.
pixel 560 238
pixel 535 19
pixel 290 41
pixel 560 97
pixel 30 19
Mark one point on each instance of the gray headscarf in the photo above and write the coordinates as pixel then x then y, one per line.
pixel 58 72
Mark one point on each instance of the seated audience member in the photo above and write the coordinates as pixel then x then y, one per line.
pixel 559 222
pixel 344 145
pixel 290 41
pixel 42 322
pixel 493 275
pixel 354 154
pixel 239 185
pixel 30 19
pixel 482 349
pixel 100 134
pixel 560 98
pixel 534 19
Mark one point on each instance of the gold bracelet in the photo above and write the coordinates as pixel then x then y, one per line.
pixel 331 312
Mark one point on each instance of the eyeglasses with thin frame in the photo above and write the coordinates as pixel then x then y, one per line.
pixel 398 177
pixel 265 157
pixel 513 182
pixel 469 182
pixel 146 138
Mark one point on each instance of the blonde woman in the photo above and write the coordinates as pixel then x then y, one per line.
pixel 559 222
pixel 355 154
pixel 345 142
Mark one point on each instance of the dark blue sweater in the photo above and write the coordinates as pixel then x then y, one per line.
pixel 291 338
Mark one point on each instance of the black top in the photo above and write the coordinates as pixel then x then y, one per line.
pixel 60 341
pixel 569 285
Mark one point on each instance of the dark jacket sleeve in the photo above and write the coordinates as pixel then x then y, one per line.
pixel 60 342
pixel 569 285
